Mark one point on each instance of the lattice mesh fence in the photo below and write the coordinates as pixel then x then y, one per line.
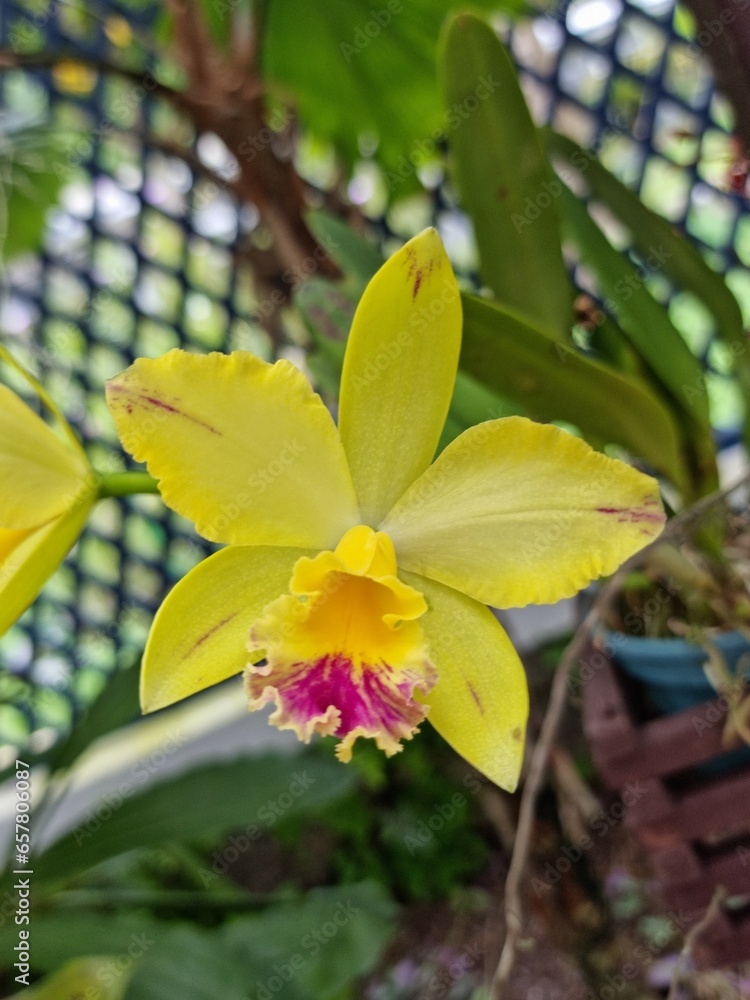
pixel 139 257
pixel 628 80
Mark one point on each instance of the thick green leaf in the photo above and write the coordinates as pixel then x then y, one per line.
pixel 315 948
pixel 187 963
pixel 323 943
pixel 82 978
pixel 246 794
pixel 473 401
pixel 651 233
pixel 645 322
pixel 505 181
pixel 356 68
pixel 611 344
pixel 552 381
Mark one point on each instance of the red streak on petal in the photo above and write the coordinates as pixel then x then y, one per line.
pixel 633 515
pixel 160 404
pixel 475 696
pixel 180 413
pixel 207 635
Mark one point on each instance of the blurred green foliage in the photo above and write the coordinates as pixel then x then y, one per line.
pixel 150 895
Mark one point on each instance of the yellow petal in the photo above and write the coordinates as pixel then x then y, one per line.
pixel 28 558
pixel 244 449
pixel 40 474
pixel 480 703
pixel 399 370
pixel 514 512
pixel 200 633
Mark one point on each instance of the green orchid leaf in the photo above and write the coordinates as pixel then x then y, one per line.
pixel 551 381
pixel 681 261
pixel 611 344
pixel 473 401
pixel 316 948
pixel 650 232
pixel 330 938
pixel 645 322
pixel 327 308
pixel 206 801
pixel 361 71
pixel 189 962
pixel 506 183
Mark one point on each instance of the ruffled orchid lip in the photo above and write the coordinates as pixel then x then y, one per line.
pixel 334 696
pixel 344 653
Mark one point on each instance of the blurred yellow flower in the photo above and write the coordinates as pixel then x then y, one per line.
pixel 73 77
pixel 47 488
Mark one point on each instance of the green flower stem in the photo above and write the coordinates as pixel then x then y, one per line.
pixel 124 484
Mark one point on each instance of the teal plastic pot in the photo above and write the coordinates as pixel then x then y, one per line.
pixel 672 669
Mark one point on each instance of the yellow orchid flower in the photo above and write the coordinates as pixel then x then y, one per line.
pixel 47 488
pixel 357 571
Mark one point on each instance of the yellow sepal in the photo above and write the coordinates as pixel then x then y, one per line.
pixel 29 557
pixel 514 513
pixel 200 634
pixel 399 369
pixel 244 449
pixel 480 703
